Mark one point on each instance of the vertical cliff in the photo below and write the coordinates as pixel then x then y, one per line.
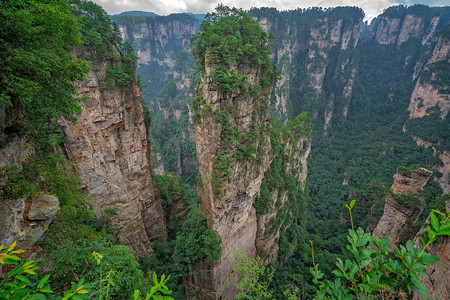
pixel 403 205
pixel 281 204
pixel 311 46
pixel 232 133
pixel 108 149
pixel 166 68
pixel 429 107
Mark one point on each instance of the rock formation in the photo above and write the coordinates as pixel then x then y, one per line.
pixel 432 92
pixel 228 192
pixel 398 216
pixel 166 68
pixel 108 149
pixel 282 211
pixel 437 273
pixel 25 220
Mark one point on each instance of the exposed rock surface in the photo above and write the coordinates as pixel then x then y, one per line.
pixel 438 273
pixel 398 217
pixel 296 149
pixel 26 224
pixel 43 207
pixel 107 147
pixel 427 95
pixel 228 196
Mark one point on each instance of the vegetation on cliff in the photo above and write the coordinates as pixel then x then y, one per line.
pixel 39 40
pixel 37 66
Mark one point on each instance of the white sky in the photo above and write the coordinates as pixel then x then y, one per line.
pixel 164 7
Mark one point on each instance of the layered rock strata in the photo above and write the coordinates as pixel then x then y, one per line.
pixel 398 217
pixel 108 149
pixel 431 92
pixel 436 283
pixel 296 144
pixel 228 184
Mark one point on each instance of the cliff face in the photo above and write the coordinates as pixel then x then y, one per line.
pixel 399 216
pixel 285 207
pixel 107 148
pixel 397 30
pixel 436 283
pixel 309 45
pixel 157 39
pixel 430 100
pixel 228 185
pixel 166 68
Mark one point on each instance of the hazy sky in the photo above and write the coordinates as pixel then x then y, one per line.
pixel 164 7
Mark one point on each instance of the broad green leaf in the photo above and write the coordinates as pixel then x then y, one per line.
pixel 352 203
pixel 22 278
pixel 43 281
pixel 13 245
pixel 443 231
pixel 155 278
pixel 434 221
pixel 136 294
pixel 428 259
pixel 38 296
pixel 46 290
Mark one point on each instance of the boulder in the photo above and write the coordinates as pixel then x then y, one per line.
pixel 43 207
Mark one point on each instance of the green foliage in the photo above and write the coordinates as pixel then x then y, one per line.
pixel 172 192
pixel 38 70
pixel 99 34
pixel 226 36
pixel 381 273
pixel 196 242
pixel 254 279
pixel 117 274
pixel 407 200
pixel 102 42
pixel 21 281
pixel 156 290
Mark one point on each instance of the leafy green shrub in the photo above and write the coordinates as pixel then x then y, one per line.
pixel 38 69
pixel 196 242
pixel 380 273
pixel 255 279
pixel 21 282
pixel 125 272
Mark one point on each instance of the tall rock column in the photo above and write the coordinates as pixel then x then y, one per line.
pixel 403 205
pixel 232 134
pixel 108 149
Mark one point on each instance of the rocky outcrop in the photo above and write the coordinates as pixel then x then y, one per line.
pixel 436 283
pixel 166 68
pixel 43 207
pixel 398 216
pixel 25 220
pixel 296 143
pixel 228 183
pixel 428 93
pixel 107 148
